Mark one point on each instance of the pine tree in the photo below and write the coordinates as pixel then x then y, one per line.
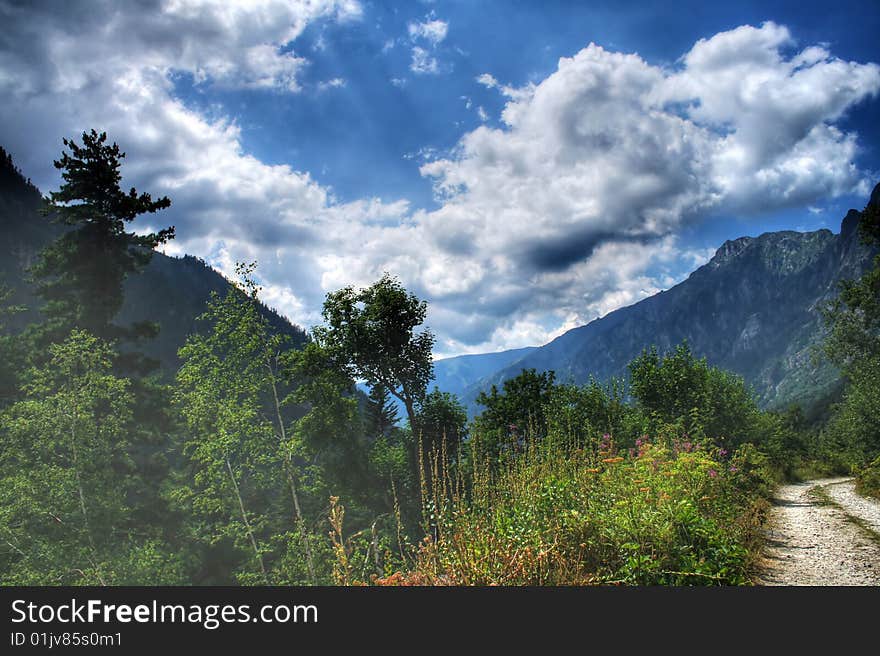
pixel 381 413
pixel 80 275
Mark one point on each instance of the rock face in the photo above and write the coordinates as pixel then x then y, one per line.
pixel 754 309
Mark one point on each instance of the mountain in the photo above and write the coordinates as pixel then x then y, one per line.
pixel 753 309
pixel 170 291
pixel 461 371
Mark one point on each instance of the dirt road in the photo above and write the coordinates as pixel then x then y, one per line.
pixel 822 533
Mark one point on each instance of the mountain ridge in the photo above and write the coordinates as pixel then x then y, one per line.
pixel 754 308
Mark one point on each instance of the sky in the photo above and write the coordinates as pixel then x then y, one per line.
pixel 524 167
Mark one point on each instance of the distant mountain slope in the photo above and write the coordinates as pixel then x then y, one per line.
pixel 461 371
pixel 752 309
pixel 170 291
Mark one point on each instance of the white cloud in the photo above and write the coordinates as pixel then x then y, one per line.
pixel 423 63
pixel 432 30
pixel 576 197
pixel 429 33
pixel 335 83
pixel 563 213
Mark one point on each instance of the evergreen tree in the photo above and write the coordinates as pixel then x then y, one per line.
pixel 80 275
pixel 381 413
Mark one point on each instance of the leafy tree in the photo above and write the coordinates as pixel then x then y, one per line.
pixel 370 334
pixel 64 469
pixel 229 390
pixel 519 408
pixel 441 418
pixel 580 413
pixel 332 429
pixel 854 345
pixel 80 275
pixel 679 388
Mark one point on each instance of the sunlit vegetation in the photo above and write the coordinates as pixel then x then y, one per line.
pixel 257 460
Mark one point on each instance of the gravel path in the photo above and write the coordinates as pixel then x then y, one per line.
pixel 815 543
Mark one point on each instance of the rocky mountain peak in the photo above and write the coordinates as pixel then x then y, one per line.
pixel 851 222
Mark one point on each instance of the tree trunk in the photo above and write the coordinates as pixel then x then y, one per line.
pixel 247 523
pixel 291 481
pixel 82 497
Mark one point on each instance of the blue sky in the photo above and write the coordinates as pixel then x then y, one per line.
pixel 520 179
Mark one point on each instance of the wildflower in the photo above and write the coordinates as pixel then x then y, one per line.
pixel 722 452
pixel 611 461
pixel 734 469
pixel 644 489
pixel 713 473
pixel 592 470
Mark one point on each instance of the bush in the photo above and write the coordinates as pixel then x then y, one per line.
pixel 868 479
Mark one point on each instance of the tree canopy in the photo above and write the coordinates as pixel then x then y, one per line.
pixel 370 333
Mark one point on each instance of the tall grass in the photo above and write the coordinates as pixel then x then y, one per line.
pixel 558 512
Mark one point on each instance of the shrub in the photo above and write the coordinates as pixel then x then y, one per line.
pixel 868 479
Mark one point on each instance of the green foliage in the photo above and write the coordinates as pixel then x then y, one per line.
pixel 582 412
pixel 370 334
pixel 853 344
pixel 66 472
pixel 332 429
pixel 573 516
pixel 229 391
pixel 519 408
pixel 442 422
pixel 705 401
pixel 868 479
pixel 381 414
pixel 12 356
pixel 81 274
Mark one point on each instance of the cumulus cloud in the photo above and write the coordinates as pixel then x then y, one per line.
pixel 565 211
pixel 432 30
pixel 598 165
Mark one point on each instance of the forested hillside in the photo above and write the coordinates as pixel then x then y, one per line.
pixel 170 291
pixel 249 457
